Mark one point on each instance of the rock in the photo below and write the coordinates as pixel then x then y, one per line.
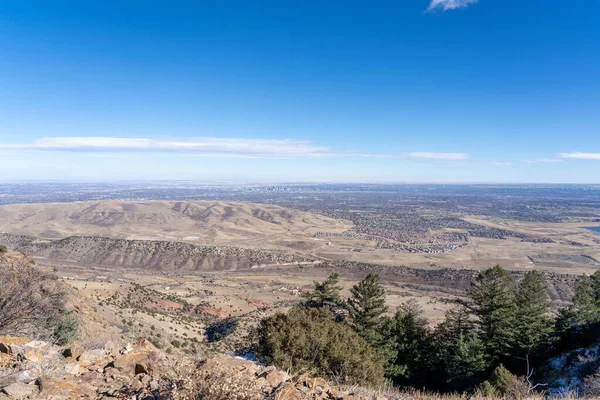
pixel 34 351
pixel 20 390
pixel 273 377
pixel 318 384
pixel 73 352
pixel 141 369
pixel 16 349
pixel 22 376
pixel 135 385
pixel 111 371
pixel 127 363
pixel 145 344
pixel 92 377
pixel 92 357
pixel 145 380
pixel 54 388
pixel 5 348
pixel 6 361
pixel 72 368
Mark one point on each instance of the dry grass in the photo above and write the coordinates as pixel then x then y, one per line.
pixel 391 393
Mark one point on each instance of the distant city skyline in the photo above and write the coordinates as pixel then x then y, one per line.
pixel 426 91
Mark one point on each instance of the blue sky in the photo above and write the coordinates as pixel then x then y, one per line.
pixel 346 91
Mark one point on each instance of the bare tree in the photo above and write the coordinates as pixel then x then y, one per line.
pixel 31 301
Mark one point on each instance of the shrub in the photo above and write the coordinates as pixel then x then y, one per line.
pixel 67 329
pixel 31 301
pixel 503 384
pixel 310 339
pixel 3 249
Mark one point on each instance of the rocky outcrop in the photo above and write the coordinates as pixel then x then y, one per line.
pixel 145 254
pixel 40 370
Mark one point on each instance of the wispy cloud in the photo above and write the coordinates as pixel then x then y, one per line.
pixel 446 5
pixel 580 156
pixel 543 160
pixel 501 163
pixel 202 146
pixel 437 156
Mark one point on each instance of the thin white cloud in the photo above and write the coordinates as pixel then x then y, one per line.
pixel 580 156
pixel 203 146
pixel 426 155
pixel 446 5
pixel 501 163
pixel 543 160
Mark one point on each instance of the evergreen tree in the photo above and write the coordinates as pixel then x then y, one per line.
pixel 466 361
pixel 595 282
pixel 326 293
pixel 367 307
pixel 583 311
pixel 458 322
pixel 533 322
pixel 410 333
pixel 493 302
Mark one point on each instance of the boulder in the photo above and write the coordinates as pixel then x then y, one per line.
pixel 73 352
pixel 34 351
pixel 21 376
pixel 20 390
pixel 55 388
pixel 72 368
pixel 92 357
pixel 133 361
pixel 273 377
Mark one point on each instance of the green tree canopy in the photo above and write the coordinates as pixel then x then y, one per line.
pixel 309 339
pixel 533 323
pixel 584 310
pixel 326 293
pixel 367 307
pixel 493 303
pixel 410 333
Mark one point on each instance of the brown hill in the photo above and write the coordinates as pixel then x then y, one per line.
pixel 194 221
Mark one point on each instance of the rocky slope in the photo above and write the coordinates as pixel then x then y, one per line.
pixel 145 254
pixel 40 370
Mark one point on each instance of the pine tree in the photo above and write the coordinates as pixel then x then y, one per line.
pixel 466 360
pixel 533 322
pixel 326 293
pixel 410 334
pixel 493 302
pixel 366 307
pixel 457 323
pixel 583 311
pixel 595 282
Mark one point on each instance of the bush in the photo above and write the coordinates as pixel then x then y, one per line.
pixel 503 384
pixel 221 329
pixel 309 339
pixel 67 329
pixel 3 249
pixel 32 302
